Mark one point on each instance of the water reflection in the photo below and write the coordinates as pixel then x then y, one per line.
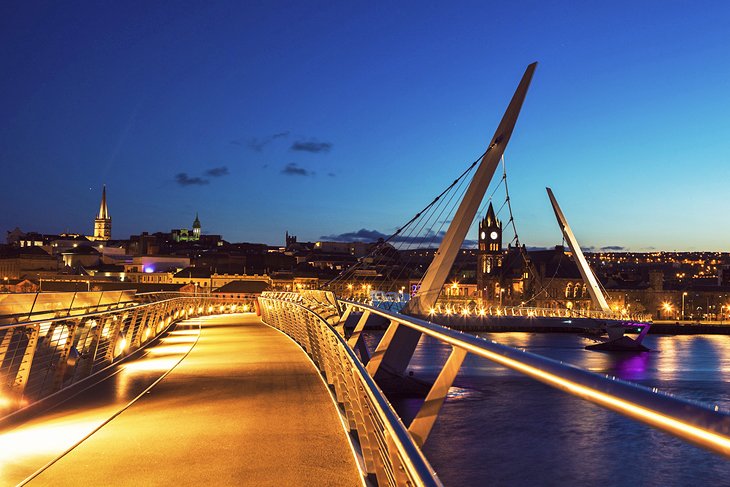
pixel 632 366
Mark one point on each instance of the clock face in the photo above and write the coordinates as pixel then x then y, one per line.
pixel 484 235
pixel 494 235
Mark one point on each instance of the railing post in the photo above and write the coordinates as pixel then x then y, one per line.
pixel 21 378
pixel 62 363
pixel 113 339
pixel 89 356
pixel 5 344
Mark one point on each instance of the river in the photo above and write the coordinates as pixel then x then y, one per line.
pixel 498 427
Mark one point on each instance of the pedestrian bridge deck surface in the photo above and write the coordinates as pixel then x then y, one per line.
pixel 245 407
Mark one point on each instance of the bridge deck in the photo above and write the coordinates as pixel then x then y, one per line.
pixel 245 407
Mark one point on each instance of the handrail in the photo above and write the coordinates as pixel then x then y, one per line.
pixel 691 421
pixel 377 425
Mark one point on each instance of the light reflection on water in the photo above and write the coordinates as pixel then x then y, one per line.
pixel 498 427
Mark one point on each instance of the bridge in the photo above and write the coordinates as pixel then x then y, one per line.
pixel 193 389
pixel 173 388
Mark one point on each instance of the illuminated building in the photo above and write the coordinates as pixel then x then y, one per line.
pixel 489 257
pixel 186 235
pixel 103 222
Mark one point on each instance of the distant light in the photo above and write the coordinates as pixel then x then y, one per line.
pixel 148 270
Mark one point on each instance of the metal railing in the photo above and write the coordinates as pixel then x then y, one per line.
pixel 39 358
pixel 388 452
pixel 24 307
pixel 355 387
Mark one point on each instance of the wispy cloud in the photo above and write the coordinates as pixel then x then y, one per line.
pixel 311 146
pixel 184 180
pixel 257 144
pixel 429 238
pixel 292 169
pixel 217 172
pixel 613 248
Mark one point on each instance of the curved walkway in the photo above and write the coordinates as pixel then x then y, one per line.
pixel 245 407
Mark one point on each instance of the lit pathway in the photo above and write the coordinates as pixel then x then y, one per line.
pixel 245 407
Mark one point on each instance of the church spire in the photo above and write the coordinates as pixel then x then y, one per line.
pixel 103 222
pixel 196 227
pixel 491 218
pixel 103 210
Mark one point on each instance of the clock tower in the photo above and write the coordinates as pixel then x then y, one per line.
pixel 489 255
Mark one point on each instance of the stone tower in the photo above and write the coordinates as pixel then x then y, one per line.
pixel 103 222
pixel 489 254
pixel 196 228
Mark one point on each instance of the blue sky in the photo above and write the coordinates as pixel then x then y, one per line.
pixel 323 118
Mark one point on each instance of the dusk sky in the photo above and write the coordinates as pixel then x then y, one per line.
pixel 324 118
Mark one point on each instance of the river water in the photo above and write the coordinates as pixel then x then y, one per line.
pixel 498 427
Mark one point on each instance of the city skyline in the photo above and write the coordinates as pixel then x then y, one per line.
pixel 324 121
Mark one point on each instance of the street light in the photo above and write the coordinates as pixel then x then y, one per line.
pixel 667 307
pixel 683 295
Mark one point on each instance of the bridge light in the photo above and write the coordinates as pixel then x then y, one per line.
pixel 120 346
pixel 482 311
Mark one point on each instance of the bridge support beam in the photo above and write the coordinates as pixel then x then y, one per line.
pixel 426 417
pixel 394 351
pixel 340 326
pixel 352 341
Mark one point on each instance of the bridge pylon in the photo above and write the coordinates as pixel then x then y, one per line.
pixel 403 339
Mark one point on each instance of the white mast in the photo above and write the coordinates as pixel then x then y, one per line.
pixel 599 300
pixel 438 271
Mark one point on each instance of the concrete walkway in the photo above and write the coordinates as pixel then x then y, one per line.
pixel 246 407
